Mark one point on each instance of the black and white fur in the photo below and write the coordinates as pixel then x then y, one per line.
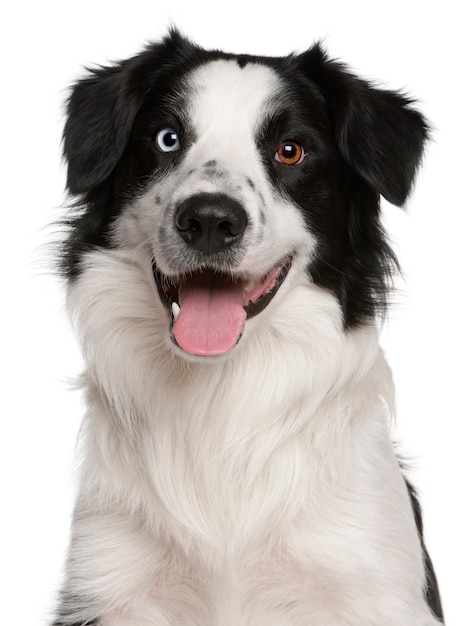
pixel 259 486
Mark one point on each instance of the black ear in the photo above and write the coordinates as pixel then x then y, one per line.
pixel 378 133
pixel 100 112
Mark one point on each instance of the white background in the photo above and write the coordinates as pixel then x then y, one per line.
pixel 418 46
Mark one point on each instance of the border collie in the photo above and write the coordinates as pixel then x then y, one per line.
pixel 227 273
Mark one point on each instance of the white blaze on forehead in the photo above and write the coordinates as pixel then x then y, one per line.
pixel 229 101
pixel 227 106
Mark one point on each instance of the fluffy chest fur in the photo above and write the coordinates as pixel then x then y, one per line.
pixel 230 481
pixel 225 266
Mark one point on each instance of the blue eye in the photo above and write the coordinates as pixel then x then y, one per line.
pixel 167 140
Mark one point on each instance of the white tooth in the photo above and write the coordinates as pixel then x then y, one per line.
pixel 175 310
pixel 249 285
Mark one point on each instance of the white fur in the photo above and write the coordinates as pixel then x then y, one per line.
pixel 256 488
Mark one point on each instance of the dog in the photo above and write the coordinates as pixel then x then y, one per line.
pixel 227 273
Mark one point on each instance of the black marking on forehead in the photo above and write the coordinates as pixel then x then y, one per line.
pixel 292 113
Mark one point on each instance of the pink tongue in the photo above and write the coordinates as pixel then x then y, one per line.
pixel 211 317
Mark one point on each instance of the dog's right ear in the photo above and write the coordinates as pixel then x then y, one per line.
pixel 102 107
pixel 100 112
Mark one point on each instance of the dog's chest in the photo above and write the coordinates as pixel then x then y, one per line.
pixel 226 496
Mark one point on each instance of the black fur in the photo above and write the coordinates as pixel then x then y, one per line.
pixel 432 594
pixel 93 622
pixel 66 609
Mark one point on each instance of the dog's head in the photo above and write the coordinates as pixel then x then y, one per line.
pixel 238 177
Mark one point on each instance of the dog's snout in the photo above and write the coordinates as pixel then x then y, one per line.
pixel 211 222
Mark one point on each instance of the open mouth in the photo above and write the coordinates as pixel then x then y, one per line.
pixel 208 309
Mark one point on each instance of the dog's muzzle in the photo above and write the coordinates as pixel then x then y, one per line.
pixel 209 306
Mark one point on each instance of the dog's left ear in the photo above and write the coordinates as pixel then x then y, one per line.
pixel 378 133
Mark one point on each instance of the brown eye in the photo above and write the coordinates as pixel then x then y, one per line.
pixel 290 153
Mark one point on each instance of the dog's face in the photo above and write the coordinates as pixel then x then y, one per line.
pixel 239 178
pixel 223 163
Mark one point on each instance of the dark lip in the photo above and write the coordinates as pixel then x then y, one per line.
pixel 253 308
pixel 167 287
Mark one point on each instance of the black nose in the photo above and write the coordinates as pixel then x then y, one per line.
pixel 211 222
